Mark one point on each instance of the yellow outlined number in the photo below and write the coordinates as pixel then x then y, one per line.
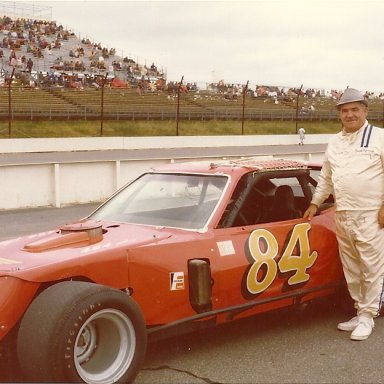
pixel 265 258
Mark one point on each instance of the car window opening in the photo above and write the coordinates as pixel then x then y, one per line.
pixel 268 199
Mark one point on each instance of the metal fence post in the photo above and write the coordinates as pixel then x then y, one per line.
pixel 297 106
pixel 102 103
pixel 10 104
pixel 242 116
pixel 178 105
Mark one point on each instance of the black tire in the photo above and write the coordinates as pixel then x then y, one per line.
pixel 82 332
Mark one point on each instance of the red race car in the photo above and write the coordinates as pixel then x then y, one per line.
pixel 181 247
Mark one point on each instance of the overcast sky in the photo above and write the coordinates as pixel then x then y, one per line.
pixel 320 44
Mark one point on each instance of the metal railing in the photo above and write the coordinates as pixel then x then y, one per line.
pixel 34 113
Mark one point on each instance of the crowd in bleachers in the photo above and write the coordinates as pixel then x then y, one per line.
pixel 37 36
pixel 280 95
pixel 274 94
pixel 73 63
pixel 43 53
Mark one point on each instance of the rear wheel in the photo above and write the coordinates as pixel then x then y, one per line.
pixel 77 331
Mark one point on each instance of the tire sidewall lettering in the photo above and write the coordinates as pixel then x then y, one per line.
pixel 74 330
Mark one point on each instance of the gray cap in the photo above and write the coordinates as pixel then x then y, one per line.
pixel 351 95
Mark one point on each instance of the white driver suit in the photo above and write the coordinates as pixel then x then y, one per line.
pixel 353 171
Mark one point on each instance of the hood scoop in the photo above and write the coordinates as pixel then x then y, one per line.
pixel 80 234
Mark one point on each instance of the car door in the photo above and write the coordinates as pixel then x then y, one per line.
pixel 264 264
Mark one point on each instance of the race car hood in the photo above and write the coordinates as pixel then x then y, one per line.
pixel 75 246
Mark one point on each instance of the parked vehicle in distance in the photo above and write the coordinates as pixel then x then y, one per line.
pixel 184 246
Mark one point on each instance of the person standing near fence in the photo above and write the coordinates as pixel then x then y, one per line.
pixel 353 171
pixel 301 133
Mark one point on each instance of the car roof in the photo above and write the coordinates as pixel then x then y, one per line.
pixel 225 166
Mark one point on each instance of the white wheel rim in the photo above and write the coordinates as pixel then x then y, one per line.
pixel 105 347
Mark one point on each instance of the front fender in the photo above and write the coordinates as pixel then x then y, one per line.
pixel 15 296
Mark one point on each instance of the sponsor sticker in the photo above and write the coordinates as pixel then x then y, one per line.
pixel 177 281
pixel 226 248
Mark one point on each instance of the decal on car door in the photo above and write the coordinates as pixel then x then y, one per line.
pixel 226 248
pixel 177 281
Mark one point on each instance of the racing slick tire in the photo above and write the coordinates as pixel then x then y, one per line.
pixel 82 332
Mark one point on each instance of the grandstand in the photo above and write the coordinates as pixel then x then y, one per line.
pixel 47 72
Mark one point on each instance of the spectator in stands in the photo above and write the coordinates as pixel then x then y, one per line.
pixel 140 88
pixel 101 63
pixel 136 70
pixel 13 59
pixel 29 65
pixel 32 83
pixel 154 69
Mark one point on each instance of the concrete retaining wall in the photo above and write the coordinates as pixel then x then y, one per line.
pixel 58 184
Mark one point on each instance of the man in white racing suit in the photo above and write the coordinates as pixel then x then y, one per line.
pixel 353 171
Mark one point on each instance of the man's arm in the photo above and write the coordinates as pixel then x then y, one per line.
pixel 311 211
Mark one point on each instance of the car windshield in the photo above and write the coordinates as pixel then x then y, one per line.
pixel 166 200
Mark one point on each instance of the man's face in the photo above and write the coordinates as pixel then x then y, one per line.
pixel 353 115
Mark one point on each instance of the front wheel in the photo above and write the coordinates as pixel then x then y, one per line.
pixel 76 331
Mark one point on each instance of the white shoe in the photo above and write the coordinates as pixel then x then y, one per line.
pixel 349 325
pixel 364 329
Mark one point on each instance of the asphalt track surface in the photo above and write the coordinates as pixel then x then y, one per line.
pixel 297 345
